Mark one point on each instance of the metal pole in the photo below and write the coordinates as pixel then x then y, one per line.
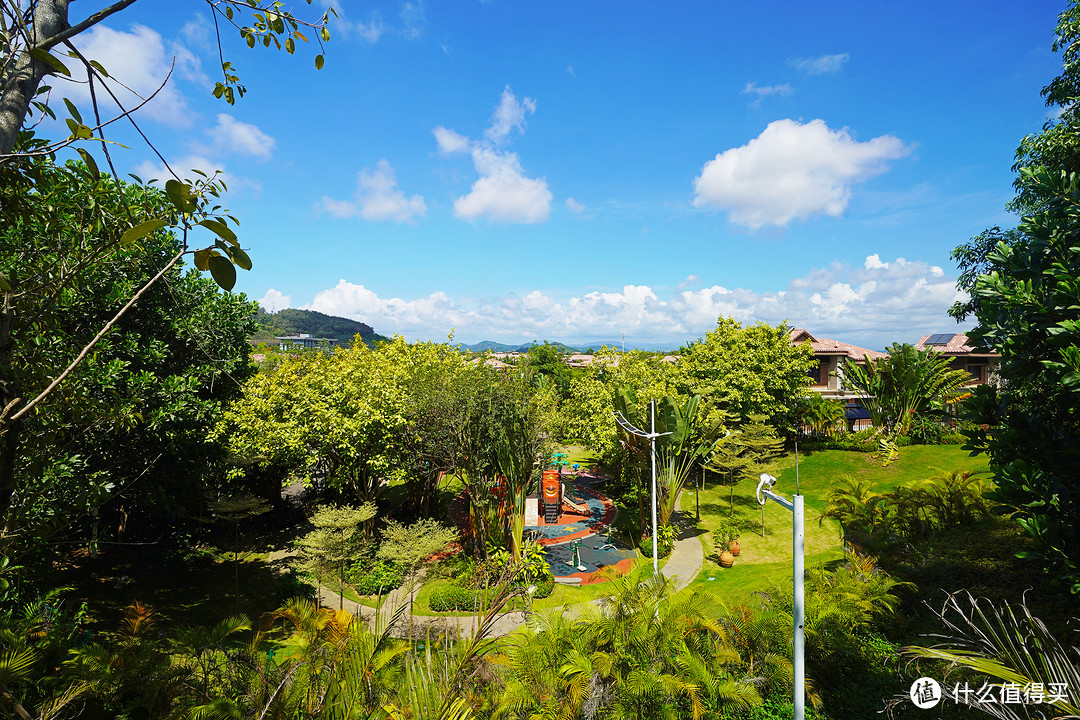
pixel 799 605
pixel 652 448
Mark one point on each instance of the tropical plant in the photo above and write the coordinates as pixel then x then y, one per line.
pixel 824 416
pixel 1010 646
pixel 325 550
pixel 902 384
pixel 692 437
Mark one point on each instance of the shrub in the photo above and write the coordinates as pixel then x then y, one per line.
pixel 665 541
pixel 375 577
pixel 450 597
pixel 545 587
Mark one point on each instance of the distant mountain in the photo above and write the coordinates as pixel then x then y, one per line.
pixel 296 322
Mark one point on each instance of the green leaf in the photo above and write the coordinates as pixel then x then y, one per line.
pixel 202 258
pixel 73 110
pixel 50 60
pixel 240 258
pixel 5 286
pixel 91 164
pixel 180 194
pixel 99 67
pixel 325 33
pixel 223 272
pixel 220 229
pixel 290 46
pixel 142 230
pixel 318 62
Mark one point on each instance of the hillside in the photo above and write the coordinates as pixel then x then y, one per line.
pixel 293 322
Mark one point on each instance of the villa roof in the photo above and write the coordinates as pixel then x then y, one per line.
pixel 950 344
pixel 826 346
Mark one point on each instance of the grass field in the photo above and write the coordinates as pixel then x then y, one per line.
pixel 766 561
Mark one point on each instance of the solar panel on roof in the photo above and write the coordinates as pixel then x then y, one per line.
pixel 940 338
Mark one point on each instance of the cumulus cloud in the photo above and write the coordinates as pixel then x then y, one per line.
pixel 274 300
pixel 232 136
pixel 503 192
pixel 574 206
pixel 871 306
pixel 141 60
pixel 378 197
pixel 792 171
pixel 820 65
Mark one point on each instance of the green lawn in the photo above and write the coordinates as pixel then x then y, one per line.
pixel 766 561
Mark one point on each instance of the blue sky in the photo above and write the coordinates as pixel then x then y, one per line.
pixel 518 171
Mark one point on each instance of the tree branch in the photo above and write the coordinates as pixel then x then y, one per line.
pixel 89 346
pixel 86 24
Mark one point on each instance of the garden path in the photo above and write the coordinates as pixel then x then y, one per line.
pixel 682 566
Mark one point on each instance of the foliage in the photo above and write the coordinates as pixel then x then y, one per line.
pixel 452 597
pixel 374 577
pixel 906 382
pixel 646 654
pixel 1024 287
pixel 743 371
pixel 665 541
pixel 411 544
pixel 133 414
pixel 874 520
pixel 1007 646
pixel 325 550
pixel 824 416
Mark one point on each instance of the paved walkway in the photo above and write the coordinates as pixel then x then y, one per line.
pixel 686 557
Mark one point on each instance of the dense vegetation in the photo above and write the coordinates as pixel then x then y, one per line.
pixel 141 450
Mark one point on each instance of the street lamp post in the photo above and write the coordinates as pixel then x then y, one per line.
pixel 795 505
pixel 651 435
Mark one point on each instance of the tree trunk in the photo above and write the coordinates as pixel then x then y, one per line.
pixel 20 87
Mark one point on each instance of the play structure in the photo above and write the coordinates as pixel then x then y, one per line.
pixel 554 501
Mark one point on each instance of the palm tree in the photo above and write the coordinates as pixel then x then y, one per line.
pixel 897 387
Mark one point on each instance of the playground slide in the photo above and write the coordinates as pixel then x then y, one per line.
pixel 583 508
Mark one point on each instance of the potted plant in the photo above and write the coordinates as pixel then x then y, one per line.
pixel 723 553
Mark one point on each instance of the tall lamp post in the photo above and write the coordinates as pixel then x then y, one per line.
pixel 651 435
pixel 795 505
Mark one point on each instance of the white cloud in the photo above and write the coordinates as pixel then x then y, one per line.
pixel 761 91
pixel 895 302
pixel 449 141
pixel 820 65
pixel 792 171
pixel 273 301
pixel 873 262
pixel 231 135
pixel 378 197
pixel 502 193
pixel 509 115
pixel 138 59
pixel 574 206
pixel 413 19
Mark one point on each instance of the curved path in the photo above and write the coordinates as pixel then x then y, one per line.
pixel 682 566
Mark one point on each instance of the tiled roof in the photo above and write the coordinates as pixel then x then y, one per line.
pixel 955 345
pixel 825 346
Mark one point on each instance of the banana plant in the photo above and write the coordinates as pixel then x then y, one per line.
pixel 694 435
